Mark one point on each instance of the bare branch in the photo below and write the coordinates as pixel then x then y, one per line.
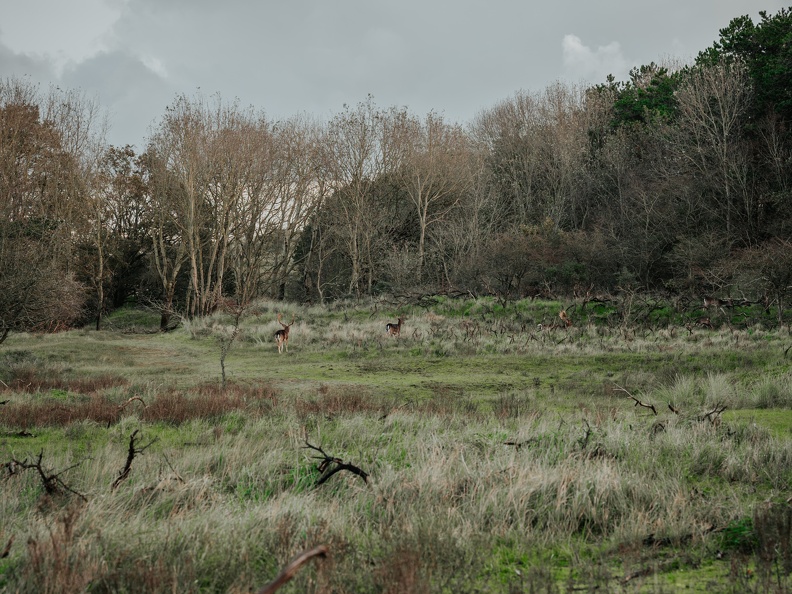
pixel 52 482
pixel 138 398
pixel 290 570
pixel 520 444
pixel 637 402
pixel 326 468
pixel 713 415
pixel 132 452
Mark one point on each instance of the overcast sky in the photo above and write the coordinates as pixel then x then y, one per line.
pixel 457 57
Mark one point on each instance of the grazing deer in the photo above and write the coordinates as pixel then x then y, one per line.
pixel 565 318
pixel 394 329
pixel 282 335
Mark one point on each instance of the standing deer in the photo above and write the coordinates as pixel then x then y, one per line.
pixel 282 335
pixel 565 318
pixel 394 329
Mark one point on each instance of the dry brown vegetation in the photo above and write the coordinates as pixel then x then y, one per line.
pixel 171 405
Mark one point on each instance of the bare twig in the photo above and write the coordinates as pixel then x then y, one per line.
pixel 637 402
pixel 327 469
pixel 288 572
pixel 131 453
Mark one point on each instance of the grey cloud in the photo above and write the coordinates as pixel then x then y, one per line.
pixel 313 56
pixel 133 94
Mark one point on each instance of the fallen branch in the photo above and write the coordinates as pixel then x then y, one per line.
pixel 288 572
pixel 637 402
pixel 52 482
pixel 133 398
pixel 520 444
pixel 327 469
pixel 131 453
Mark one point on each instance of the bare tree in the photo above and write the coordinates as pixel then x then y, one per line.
pixel 537 147
pixel 208 150
pixel 297 188
pixel 435 172
pixel 122 243
pixel 361 147
pixel 712 101
pixel 169 248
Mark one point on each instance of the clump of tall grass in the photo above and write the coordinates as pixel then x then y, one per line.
pixel 770 392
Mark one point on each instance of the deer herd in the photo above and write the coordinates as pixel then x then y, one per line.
pixel 394 328
pixel 282 335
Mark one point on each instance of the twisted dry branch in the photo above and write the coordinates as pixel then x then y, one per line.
pixel 131 453
pixel 329 465
pixel 52 482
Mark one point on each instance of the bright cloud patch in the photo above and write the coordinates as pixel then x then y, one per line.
pixel 155 65
pixel 582 62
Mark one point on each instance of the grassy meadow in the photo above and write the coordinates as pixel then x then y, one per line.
pixel 636 451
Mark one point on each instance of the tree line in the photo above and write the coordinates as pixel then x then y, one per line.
pixel 675 180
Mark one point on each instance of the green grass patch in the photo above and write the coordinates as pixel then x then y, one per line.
pixel 777 422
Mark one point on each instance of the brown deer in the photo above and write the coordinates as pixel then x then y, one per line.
pixel 702 322
pixel 394 329
pixel 565 318
pixel 282 335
